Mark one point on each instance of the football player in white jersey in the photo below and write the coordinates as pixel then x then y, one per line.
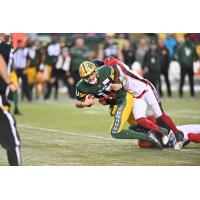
pixel 144 95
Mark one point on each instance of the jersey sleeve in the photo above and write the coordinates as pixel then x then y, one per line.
pixel 80 95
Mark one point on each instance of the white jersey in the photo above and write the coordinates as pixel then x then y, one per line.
pixel 134 83
pixel 190 128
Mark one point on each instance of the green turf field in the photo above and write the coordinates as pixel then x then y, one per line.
pixel 57 133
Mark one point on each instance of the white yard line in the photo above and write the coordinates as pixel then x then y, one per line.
pixel 190 150
pixel 93 136
pixel 70 133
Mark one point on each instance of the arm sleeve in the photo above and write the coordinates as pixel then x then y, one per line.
pixel 79 95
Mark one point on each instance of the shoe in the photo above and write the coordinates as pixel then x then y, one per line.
pixel 178 145
pixel 154 140
pixel 165 135
pixel 179 140
pixel 17 112
pixel 179 136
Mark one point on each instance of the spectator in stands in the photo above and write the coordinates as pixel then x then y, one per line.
pixel 186 54
pixel 79 53
pixel 63 71
pixel 20 66
pixel 171 45
pixel 151 64
pixel 121 39
pixel 141 50
pixel 194 37
pixel 30 51
pixel 53 51
pixel 64 42
pixel 164 65
pixel 91 55
pixel 40 58
pixel 109 47
pixel 128 53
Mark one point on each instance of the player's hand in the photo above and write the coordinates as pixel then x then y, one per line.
pixel 109 61
pixel 12 87
pixel 89 100
pixel 116 86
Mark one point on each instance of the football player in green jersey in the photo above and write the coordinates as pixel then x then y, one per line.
pixel 96 83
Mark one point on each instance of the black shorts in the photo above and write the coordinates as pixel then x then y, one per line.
pixel 9 137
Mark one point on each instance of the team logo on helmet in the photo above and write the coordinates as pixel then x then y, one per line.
pixel 88 72
pixel 86 68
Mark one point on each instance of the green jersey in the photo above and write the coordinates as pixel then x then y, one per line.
pixel 186 54
pixel 102 89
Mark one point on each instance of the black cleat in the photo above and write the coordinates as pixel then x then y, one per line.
pixel 164 134
pixel 17 112
pixel 179 140
pixel 154 140
pixel 179 136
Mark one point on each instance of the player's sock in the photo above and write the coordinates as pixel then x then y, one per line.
pixel 194 137
pixel 129 134
pixel 144 122
pixel 144 144
pixel 152 118
pixel 168 121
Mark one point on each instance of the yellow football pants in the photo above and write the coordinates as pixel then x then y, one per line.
pixel 123 114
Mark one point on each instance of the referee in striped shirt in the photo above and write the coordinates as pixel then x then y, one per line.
pixel 9 138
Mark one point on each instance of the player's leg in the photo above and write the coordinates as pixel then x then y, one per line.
pixel 153 100
pixel 121 116
pixel 9 138
pixel 194 137
pixel 139 110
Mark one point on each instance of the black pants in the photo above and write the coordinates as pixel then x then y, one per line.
pixel 187 70
pixel 50 85
pixel 76 78
pixel 166 76
pixel 9 138
pixel 25 86
pixel 153 78
pixel 61 75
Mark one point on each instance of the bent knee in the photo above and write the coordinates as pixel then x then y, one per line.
pixel 114 133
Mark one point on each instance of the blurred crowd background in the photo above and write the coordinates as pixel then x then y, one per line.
pixel 44 65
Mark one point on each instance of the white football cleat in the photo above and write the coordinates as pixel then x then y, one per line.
pixel 165 139
pixel 178 145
